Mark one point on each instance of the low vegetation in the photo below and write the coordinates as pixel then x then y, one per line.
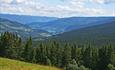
pixel 8 64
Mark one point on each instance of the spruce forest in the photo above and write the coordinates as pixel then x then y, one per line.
pixel 65 55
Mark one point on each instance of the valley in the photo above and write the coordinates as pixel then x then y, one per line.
pixel 98 34
pixel 49 43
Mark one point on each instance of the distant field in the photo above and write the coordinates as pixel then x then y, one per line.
pixel 8 64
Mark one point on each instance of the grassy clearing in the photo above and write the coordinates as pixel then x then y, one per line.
pixel 8 64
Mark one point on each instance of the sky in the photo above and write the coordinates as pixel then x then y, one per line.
pixel 58 8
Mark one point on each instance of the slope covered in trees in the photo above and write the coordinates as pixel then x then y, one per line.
pixel 21 29
pixel 99 34
pixel 66 24
pixel 69 56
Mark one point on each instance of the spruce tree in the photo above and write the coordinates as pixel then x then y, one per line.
pixel 66 56
pixel 34 55
pixel 27 50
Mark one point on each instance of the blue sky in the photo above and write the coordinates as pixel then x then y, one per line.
pixel 59 8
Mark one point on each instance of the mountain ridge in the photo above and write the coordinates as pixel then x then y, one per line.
pixel 66 24
pixel 97 34
pixel 26 19
pixel 21 29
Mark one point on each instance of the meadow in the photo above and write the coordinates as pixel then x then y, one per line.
pixel 9 64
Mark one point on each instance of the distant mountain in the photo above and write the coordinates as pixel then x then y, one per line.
pixel 21 29
pixel 25 19
pixel 67 24
pixel 96 34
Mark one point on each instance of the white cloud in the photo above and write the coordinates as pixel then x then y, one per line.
pixel 98 1
pixel 21 1
pixel 103 1
pixel 6 1
pixel 73 8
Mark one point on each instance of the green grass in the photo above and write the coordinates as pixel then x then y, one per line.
pixel 8 64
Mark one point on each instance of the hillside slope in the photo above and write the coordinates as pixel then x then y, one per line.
pixel 21 29
pixel 8 64
pixel 67 24
pixel 99 33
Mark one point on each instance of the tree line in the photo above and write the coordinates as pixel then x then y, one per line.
pixel 69 56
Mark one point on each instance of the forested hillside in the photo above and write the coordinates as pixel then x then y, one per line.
pixel 21 29
pixel 68 56
pixel 67 24
pixel 99 34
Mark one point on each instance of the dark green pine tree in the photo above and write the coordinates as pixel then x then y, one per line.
pixel 103 59
pixel 111 54
pixel 66 55
pixel 38 54
pixel 27 50
pixel 59 56
pixel 48 61
pixel 87 57
pixel 42 54
pixel 34 55
pixel 94 58
pixel 74 52
pixel 54 53
pixel 10 45
pixel 3 44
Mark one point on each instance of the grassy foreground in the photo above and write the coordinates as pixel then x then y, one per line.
pixel 8 64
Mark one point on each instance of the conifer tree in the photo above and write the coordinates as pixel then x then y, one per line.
pixel 48 62
pixel 87 57
pixel 27 50
pixel 33 55
pixel 66 56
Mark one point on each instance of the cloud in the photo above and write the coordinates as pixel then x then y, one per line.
pixel 109 1
pixel 103 1
pixel 68 8
pixel 20 1
pixel 6 1
pixel 98 1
